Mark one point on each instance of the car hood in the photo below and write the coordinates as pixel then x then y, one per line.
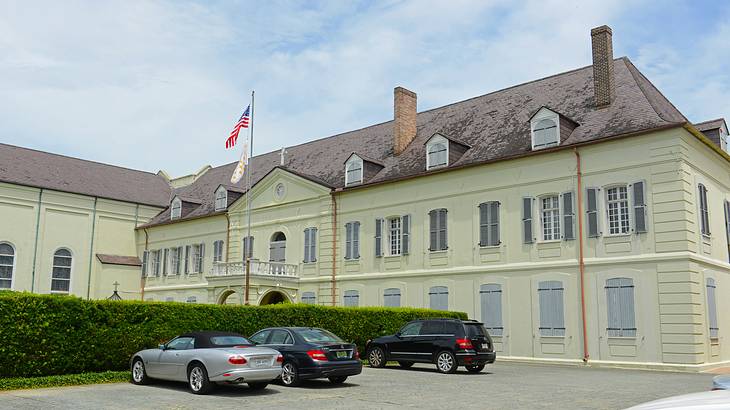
pixel 709 400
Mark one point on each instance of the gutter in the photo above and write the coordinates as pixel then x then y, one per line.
pixel 581 261
pixel 35 245
pixel 91 249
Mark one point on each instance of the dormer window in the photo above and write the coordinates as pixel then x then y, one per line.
pixel 175 208
pixel 221 199
pixel 545 131
pixel 437 152
pixel 353 171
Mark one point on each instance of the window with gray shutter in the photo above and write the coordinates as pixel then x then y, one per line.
pixel 639 192
pixel 592 212
pixel 552 318
pixel 165 257
pixel 491 304
pixel 712 308
pixel 620 307
pixel 527 235
pixel 201 258
pixel 438 297
pixel 187 259
pixel 406 242
pixel 438 230
pixel 704 211
pixel 310 245
pixel 378 237
pixel 356 240
pixel 391 297
pixel 352 298
pixel 348 240
pixel 727 226
pixel 568 216
pixel 247 248
pixel 489 224
pixel 145 261
pixel 218 251
pixel 309 298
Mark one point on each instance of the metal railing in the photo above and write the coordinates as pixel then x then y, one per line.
pixel 259 268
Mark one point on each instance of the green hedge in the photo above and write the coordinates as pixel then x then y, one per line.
pixel 16 383
pixel 46 334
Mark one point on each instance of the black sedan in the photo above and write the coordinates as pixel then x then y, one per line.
pixel 310 353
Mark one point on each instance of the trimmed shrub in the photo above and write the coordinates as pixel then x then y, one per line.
pixel 47 334
pixel 16 383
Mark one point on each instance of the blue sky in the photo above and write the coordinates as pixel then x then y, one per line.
pixel 158 85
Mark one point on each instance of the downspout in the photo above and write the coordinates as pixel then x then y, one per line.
pixel 91 249
pixel 581 262
pixel 334 249
pixel 35 246
pixel 228 238
pixel 143 280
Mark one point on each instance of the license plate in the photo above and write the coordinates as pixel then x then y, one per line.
pixel 261 362
pixel 342 355
pixel 485 346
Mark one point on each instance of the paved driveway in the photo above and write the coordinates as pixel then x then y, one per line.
pixel 501 386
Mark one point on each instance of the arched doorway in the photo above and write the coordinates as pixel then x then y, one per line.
pixel 273 297
pixel 229 297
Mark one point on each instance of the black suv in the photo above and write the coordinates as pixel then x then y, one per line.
pixel 447 343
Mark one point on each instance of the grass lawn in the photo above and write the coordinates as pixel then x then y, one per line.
pixel 17 383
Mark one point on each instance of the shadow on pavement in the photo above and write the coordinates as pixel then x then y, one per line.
pixel 221 390
pixel 429 369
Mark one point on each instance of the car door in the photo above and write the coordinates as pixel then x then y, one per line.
pixel 260 337
pixel 425 345
pixel 281 340
pixel 170 359
pixel 403 347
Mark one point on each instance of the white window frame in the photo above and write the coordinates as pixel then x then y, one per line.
pixel 12 266
pixel 435 140
pixel 218 251
pixel 196 264
pixel 559 216
pixel 307 296
pixel 175 260
pixel 545 114
pixel 351 294
pixel 153 263
pixel 702 213
pixel 70 270
pixel 629 209
pixel 354 161
pixel 391 292
pixel 394 242
pixel 221 199
pixel 176 208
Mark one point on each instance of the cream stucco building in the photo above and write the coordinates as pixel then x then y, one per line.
pixel 579 216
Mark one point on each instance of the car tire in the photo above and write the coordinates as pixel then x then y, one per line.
pixel 475 369
pixel 338 379
pixel 405 365
pixel 446 362
pixel 139 373
pixel 258 385
pixel 198 379
pixel 376 357
pixel 290 375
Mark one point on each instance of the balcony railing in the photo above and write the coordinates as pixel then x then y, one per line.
pixel 258 268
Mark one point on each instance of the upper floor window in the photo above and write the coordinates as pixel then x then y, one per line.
pixel 617 210
pixel 545 134
pixel 218 251
pixel 175 258
pixel 310 245
pixel 7 265
pixel 175 208
pixel 352 240
pixel 394 236
pixel 221 199
pixel 704 211
pixel 397 232
pixel 247 248
pixel 153 269
pixel 353 171
pixel 61 274
pixel 196 254
pixel 550 217
pixel 437 152
pixel 489 224
pixel 437 232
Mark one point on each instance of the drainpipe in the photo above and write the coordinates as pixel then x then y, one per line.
pixel 91 250
pixel 228 239
pixel 35 246
pixel 581 262
pixel 334 249
pixel 143 280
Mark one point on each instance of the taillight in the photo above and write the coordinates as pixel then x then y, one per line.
pixel 317 355
pixel 279 359
pixel 240 347
pixel 357 354
pixel 237 359
pixel 464 343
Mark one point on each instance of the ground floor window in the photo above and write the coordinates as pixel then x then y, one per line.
pixel 552 317
pixel 7 263
pixel 439 298
pixel 309 298
pixel 352 298
pixel 712 308
pixel 391 297
pixel 61 274
pixel 620 307
pixel 491 306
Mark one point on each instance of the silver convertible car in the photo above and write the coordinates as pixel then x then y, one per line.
pixel 205 358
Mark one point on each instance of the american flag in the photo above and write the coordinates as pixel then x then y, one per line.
pixel 242 123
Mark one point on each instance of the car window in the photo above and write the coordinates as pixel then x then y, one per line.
pixel 452 328
pixel 432 328
pixel 475 330
pixel 411 329
pixel 318 336
pixel 280 337
pixel 229 341
pixel 180 343
pixel 260 337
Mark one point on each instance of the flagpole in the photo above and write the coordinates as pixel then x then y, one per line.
pixel 248 203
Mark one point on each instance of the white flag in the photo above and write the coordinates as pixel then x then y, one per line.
pixel 241 167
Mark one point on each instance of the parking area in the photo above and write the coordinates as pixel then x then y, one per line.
pixel 500 386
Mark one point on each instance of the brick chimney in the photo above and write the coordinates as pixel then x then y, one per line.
pixel 604 87
pixel 404 124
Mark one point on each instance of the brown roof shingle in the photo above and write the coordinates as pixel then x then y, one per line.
pixel 119 260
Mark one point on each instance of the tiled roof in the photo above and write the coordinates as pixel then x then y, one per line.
pixel 495 126
pixel 710 125
pixel 119 260
pixel 40 169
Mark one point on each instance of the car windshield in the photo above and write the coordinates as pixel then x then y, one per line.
pixel 475 330
pixel 318 336
pixel 229 340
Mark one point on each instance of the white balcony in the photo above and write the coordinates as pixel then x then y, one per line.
pixel 258 268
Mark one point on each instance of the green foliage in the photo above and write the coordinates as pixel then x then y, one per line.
pixel 17 383
pixel 49 334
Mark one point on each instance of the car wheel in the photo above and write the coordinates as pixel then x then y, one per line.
pixel 257 385
pixel 405 365
pixel 376 357
pixel 139 374
pixel 475 369
pixel 198 379
pixel 446 362
pixel 338 379
pixel 290 374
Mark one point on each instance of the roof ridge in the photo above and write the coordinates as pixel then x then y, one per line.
pixel 709 121
pixel 634 72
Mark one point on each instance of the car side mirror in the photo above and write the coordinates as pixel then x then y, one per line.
pixel 161 347
pixel 397 334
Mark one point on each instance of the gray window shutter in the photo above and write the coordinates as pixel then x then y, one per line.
pixel 391 297
pixel 483 224
pixel 378 237
pixel 306 245
pixel 491 308
pixel 592 212
pixel 158 254
pixel 527 236
pixel 443 243
pixel 712 307
pixel 433 231
pixel 348 240
pixel 727 225
pixel 187 258
pixel 165 256
pixel 552 318
pixel 704 212
pixel 620 307
pixel 179 258
pixel 313 245
pixel 439 298
pixel 202 258
pixel 639 200
pixel 145 261
pixel 493 224
pixel 406 234
pixel 568 217
pixel 356 240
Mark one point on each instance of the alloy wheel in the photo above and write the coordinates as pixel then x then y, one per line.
pixel 445 362
pixel 138 371
pixel 376 357
pixel 196 379
pixel 288 374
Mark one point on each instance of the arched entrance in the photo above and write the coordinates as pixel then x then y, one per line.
pixel 229 297
pixel 273 297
